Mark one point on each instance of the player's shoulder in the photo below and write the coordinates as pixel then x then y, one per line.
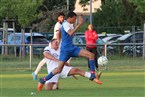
pixel 58 24
pixel 47 48
pixel 65 23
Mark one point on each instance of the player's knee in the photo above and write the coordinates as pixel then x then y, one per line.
pixel 74 71
pixel 48 89
pixel 58 70
pixel 92 55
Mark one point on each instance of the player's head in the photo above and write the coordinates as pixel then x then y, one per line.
pixel 54 44
pixel 90 27
pixel 71 17
pixel 60 17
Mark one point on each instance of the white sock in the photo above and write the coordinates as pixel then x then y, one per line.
pixel 87 74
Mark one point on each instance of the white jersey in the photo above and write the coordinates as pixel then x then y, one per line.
pixel 57 28
pixel 51 64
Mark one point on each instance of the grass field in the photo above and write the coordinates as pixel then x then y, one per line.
pixel 123 78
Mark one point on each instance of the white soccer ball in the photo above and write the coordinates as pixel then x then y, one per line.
pixel 102 60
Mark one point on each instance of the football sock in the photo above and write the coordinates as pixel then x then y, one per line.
pixel 87 74
pixel 92 68
pixel 49 76
pixel 92 65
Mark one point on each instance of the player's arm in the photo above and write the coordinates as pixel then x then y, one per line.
pixel 49 56
pixel 58 35
pixel 72 31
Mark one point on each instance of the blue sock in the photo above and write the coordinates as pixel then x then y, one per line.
pixel 92 65
pixel 92 68
pixel 49 76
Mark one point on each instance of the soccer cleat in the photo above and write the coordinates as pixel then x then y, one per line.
pixel 40 84
pixel 34 76
pixel 97 81
pixel 99 74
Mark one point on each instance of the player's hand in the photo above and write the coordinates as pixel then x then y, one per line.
pixel 81 19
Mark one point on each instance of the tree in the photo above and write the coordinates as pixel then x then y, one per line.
pixel 140 5
pixel 23 10
pixel 115 16
pixel 39 14
pixel 47 14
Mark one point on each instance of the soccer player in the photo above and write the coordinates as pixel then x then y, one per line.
pixel 51 54
pixel 57 35
pixel 69 50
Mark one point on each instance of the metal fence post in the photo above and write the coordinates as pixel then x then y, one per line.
pixel 144 43
pixel 105 50
pixel 134 41
pixel 31 50
pixel 30 47
pixel 105 67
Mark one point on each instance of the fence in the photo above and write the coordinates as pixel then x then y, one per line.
pixel 30 60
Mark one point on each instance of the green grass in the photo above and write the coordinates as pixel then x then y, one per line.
pixel 124 77
pixel 116 84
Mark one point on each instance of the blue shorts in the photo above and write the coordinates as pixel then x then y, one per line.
pixel 65 55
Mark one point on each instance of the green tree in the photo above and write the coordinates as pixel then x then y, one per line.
pixel 23 10
pixel 115 16
pixel 140 5
pixel 39 14
pixel 47 14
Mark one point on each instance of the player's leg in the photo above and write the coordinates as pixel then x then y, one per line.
pixel 87 54
pixel 64 56
pixel 77 71
pixel 52 84
pixel 50 75
pixel 54 79
pixel 49 86
pixel 90 56
pixel 41 63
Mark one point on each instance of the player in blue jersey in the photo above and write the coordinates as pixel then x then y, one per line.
pixel 68 49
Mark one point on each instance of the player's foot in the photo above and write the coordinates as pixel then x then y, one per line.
pixel 40 84
pixel 34 76
pixel 99 74
pixel 97 81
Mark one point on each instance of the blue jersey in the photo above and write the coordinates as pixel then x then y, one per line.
pixel 67 40
pixel 67 47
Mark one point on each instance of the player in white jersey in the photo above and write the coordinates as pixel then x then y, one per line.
pixel 57 35
pixel 51 54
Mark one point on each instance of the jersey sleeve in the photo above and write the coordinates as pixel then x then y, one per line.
pixel 57 28
pixel 47 49
pixel 66 27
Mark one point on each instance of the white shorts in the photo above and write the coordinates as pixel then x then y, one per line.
pixel 63 74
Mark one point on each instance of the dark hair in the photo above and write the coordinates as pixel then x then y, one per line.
pixel 61 14
pixel 52 40
pixel 71 14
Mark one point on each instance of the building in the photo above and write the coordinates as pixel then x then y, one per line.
pixel 86 10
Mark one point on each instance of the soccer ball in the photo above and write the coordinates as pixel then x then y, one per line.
pixel 102 60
